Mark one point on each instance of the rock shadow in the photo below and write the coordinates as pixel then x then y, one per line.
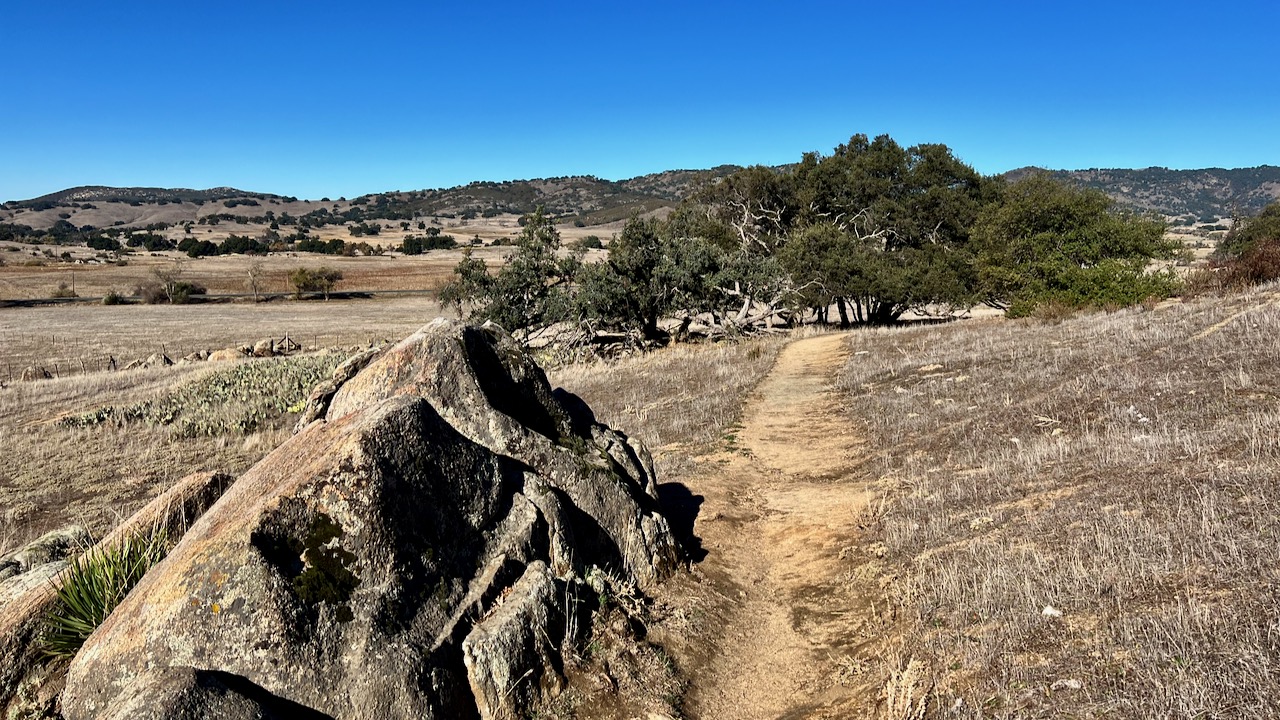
pixel 681 507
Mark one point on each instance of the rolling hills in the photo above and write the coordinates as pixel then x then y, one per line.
pixel 1185 195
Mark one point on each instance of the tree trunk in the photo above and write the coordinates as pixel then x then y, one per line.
pixel 844 314
pixel 651 326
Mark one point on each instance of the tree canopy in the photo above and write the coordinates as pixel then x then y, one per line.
pixel 1250 232
pixel 874 230
pixel 1050 242
pixel 531 290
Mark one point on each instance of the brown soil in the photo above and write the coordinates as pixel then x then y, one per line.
pixel 775 620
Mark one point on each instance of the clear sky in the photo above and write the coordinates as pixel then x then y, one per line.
pixel 322 98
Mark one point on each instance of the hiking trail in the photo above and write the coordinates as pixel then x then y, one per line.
pixel 784 610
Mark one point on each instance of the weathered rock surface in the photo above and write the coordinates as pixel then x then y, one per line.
pixel 50 547
pixel 226 354
pixel 204 695
pixel 410 553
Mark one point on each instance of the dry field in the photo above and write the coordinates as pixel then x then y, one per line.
pixel 71 339
pixel 27 274
pixel 54 472
pixel 226 274
pixel 1080 519
pixel 51 475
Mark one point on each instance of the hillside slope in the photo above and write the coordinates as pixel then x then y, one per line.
pixel 1205 194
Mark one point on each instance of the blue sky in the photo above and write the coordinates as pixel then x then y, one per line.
pixel 336 99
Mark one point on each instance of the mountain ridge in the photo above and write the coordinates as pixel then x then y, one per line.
pixel 1194 195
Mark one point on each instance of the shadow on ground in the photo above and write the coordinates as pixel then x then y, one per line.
pixel 681 507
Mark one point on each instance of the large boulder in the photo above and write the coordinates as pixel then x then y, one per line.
pixel 413 552
pixel 228 354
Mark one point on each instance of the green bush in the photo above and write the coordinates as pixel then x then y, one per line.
pixel 1108 285
pixel 321 280
pixel 94 584
pixel 112 298
pixel 1048 243
pixel 185 292
pixel 1250 232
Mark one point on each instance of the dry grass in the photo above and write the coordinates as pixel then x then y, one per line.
pixel 55 473
pixel 229 273
pixel 1080 518
pixel 52 475
pixel 73 339
pixel 681 398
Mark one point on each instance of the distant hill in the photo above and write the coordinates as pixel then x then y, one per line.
pixel 589 199
pixel 583 200
pixel 136 196
pixel 1206 194
pixel 1200 195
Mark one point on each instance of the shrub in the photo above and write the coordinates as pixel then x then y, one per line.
pixel 590 242
pixel 150 293
pixel 1046 242
pixel 176 293
pixel 185 292
pixel 1251 232
pixel 94 584
pixel 64 291
pixel 321 280
pixel 1259 264
pixel 112 298
pixel 99 242
pixel 1108 285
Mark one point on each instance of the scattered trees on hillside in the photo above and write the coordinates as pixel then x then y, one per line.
pixel 433 240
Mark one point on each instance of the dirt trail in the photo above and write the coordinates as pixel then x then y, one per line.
pixel 778 519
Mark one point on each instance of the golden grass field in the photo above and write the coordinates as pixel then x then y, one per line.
pixel 1079 519
pixel 1074 518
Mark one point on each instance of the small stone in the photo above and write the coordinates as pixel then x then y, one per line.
pixel 1071 684
pixel 1051 611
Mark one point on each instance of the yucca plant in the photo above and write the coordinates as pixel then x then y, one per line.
pixel 93 585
